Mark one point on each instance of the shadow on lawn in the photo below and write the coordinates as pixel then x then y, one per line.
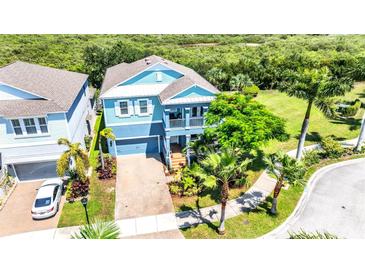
pixel 354 124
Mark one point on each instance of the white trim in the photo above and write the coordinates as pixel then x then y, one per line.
pixel 29 144
pixel 194 85
pixel 24 130
pixel 118 110
pixel 134 123
pixel 23 90
pixel 138 107
pixel 148 67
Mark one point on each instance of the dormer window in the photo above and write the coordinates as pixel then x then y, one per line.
pixel 158 76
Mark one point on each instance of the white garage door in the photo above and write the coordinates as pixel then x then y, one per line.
pixel 36 171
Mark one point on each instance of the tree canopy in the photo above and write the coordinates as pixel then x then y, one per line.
pixel 241 122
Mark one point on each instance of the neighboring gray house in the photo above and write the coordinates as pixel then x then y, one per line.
pixel 38 105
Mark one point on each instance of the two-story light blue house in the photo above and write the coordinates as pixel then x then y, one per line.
pixel 154 106
pixel 38 105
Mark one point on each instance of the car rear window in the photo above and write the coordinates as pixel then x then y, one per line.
pixel 43 202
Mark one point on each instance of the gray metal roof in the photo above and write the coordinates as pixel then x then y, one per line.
pixel 122 72
pixel 57 88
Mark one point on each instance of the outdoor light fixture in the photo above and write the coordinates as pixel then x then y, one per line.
pixel 84 203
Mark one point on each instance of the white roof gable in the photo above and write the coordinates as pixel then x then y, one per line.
pixel 134 91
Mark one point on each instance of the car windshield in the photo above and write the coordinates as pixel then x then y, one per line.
pixel 43 202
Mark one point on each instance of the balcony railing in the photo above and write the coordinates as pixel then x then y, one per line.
pixel 175 123
pixel 196 121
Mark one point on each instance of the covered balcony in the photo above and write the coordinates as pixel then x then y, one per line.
pixel 184 117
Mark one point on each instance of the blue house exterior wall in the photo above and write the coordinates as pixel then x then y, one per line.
pixel 111 118
pixel 194 91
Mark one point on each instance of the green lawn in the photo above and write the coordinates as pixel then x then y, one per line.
pixel 102 193
pixel 259 221
pixel 292 110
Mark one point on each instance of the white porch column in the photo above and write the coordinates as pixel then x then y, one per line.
pixel 188 137
pixel 187 117
pixel 167 118
pixel 168 154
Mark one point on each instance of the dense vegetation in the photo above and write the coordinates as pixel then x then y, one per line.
pixel 264 58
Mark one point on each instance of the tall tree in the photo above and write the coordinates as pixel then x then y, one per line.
pixel 74 159
pixel 318 87
pixel 239 81
pixel 218 170
pixel 97 59
pixel 284 169
pixel 217 77
pixel 106 133
pixel 241 122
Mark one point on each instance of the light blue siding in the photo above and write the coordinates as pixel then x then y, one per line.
pixel 56 129
pixel 194 91
pixel 140 130
pixel 11 93
pixel 137 146
pixel 111 118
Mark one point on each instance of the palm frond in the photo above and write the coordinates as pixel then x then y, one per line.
pixel 98 230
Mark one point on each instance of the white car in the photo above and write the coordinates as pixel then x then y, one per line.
pixel 48 199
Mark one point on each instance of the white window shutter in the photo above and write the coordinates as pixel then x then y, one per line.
pixel 136 108
pixel 117 109
pixel 130 108
pixel 150 107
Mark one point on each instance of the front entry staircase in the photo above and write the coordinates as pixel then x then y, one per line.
pixel 178 159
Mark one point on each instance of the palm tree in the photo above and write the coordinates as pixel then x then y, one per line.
pixel 218 170
pixel 285 169
pixel 106 133
pixel 75 159
pixel 239 81
pixel 318 87
pixel 361 134
pixel 98 230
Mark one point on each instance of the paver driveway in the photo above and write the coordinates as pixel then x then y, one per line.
pixel 336 204
pixel 141 187
pixel 16 217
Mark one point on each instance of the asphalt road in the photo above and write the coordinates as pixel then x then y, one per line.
pixel 336 204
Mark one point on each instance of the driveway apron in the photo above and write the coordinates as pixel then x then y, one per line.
pixel 141 187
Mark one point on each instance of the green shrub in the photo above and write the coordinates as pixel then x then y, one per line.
pixel 311 158
pixel 351 110
pixel 184 184
pixel 252 91
pixel 87 140
pixel 331 148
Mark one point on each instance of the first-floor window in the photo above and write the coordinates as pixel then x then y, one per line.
pixel 143 106
pixel 17 127
pixel 123 107
pixel 43 125
pixel 30 126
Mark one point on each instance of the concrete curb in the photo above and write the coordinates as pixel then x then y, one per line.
pixel 305 197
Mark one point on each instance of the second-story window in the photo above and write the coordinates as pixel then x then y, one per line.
pixel 123 107
pixel 30 126
pixel 43 125
pixel 17 127
pixel 143 106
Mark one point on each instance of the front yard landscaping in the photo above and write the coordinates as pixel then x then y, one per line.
pixel 258 222
pixel 101 196
pixel 292 110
